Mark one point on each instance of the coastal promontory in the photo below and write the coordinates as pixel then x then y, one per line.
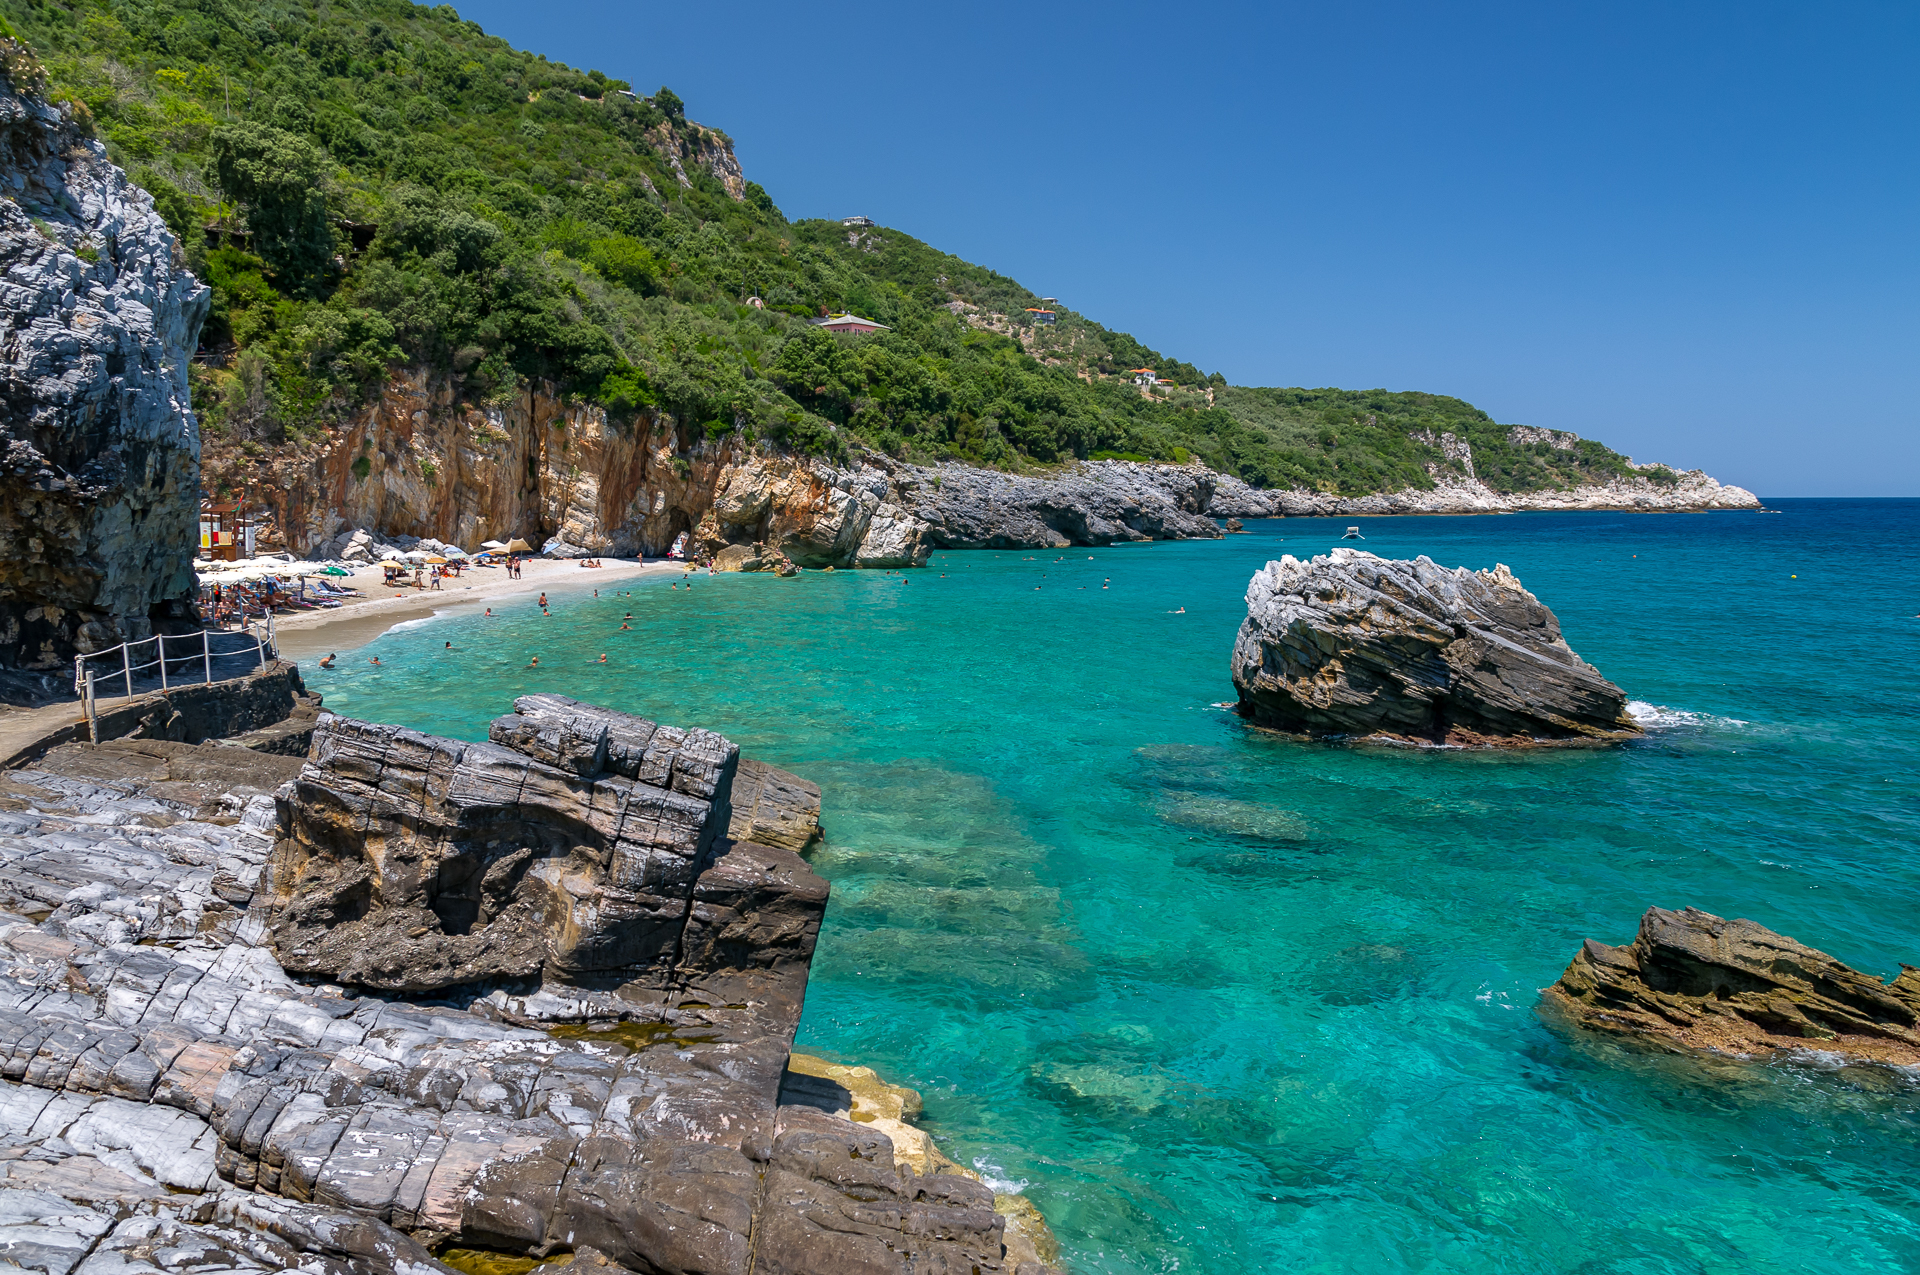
pixel 1351 645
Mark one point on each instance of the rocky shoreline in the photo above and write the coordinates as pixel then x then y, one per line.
pixel 533 996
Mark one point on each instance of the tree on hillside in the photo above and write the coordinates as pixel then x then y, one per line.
pixel 281 181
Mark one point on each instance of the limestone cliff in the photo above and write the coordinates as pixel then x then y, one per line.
pixel 561 474
pixel 99 500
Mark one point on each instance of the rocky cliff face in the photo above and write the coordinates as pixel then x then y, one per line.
pixel 1351 645
pixel 420 462
pixel 99 499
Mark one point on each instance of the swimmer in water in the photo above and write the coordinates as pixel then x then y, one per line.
pixel 543 600
pixel 327 663
pixel 489 613
pixel 449 646
pixel 602 659
pixel 534 662
pixel 625 625
pixel 374 660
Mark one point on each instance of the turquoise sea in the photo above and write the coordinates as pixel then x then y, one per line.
pixel 1229 1003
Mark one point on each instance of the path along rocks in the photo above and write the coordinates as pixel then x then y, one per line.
pixel 1691 981
pixel 1350 645
pixel 601 1072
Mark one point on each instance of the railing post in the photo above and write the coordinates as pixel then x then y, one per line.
pixel 126 666
pixel 93 715
pixel 160 655
pixel 206 654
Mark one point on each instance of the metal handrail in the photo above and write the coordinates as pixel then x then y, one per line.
pixel 84 675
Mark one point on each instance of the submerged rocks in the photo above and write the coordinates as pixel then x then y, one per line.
pixel 1694 981
pixel 1352 645
pixel 99 451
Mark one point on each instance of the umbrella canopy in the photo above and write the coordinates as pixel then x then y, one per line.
pixel 492 544
pixel 389 555
pixel 517 545
pixel 334 571
pixel 456 553
pixel 414 556
pixel 437 561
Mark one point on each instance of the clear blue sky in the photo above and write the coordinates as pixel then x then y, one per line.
pixel 1691 231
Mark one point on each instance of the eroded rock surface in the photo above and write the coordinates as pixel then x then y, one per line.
pixel 99 451
pixel 172 1097
pixel 1694 981
pixel 1356 646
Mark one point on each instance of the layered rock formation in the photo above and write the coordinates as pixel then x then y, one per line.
pixel 1356 646
pixel 1692 490
pixel 172 1099
pixel 99 500
pixel 1692 981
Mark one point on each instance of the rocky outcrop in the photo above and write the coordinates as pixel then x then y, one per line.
pixel 1691 490
pixel 1092 503
pixel 1350 645
pixel 100 460
pixel 1692 981
pixel 178 1100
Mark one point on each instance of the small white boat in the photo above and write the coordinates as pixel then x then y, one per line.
pixel 1353 533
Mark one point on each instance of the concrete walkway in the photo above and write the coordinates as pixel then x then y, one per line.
pixel 26 733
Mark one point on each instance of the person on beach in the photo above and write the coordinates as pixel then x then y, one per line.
pixel 328 662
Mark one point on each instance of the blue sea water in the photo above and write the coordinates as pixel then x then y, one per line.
pixel 1224 1002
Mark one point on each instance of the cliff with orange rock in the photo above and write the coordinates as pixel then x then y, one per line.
pixel 571 481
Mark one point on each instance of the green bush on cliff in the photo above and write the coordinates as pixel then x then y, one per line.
pixel 372 183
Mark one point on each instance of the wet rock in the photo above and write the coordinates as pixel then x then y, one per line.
pixel 99 449
pixel 1350 645
pixel 1694 981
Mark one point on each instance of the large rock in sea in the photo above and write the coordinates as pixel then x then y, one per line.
pixel 1350 645
pixel 1691 981
pixel 167 1089
pixel 100 459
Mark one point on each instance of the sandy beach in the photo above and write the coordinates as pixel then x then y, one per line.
pixel 310 634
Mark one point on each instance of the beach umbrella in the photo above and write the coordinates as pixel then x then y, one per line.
pixel 436 561
pixel 333 571
pixel 517 545
pixel 492 544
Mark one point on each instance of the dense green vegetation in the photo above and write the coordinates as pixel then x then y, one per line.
pixel 368 184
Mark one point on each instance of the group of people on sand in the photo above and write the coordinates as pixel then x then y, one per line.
pixel 590 562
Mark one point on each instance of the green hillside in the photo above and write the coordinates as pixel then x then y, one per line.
pixel 368 184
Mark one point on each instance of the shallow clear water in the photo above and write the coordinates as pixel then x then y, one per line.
pixel 1229 1003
